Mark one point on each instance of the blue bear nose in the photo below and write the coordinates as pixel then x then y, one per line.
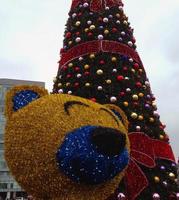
pixel 108 141
pixel 92 155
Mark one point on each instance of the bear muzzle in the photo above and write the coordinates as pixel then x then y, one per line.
pixel 92 155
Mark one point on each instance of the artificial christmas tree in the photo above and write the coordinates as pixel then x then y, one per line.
pixel 99 62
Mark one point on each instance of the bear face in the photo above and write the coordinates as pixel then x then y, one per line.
pixel 64 147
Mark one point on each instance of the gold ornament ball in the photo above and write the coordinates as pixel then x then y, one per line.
pixel 106 32
pixel 126 104
pixel 117 15
pixel 67 84
pixel 114 59
pixel 140 118
pixel 151 119
pixel 154 104
pixel 172 175
pixel 133 70
pixel 87 84
pixel 108 81
pixel 70 42
pixel 78 23
pixel 59 84
pixel 86 30
pixel 92 27
pixel 161 137
pixel 134 115
pixel 99 72
pixel 92 56
pixel 125 22
pixel 86 66
pixel 140 70
pixel 135 97
pixel 70 65
pixel 156 179
pixel 141 94
pixel 145 87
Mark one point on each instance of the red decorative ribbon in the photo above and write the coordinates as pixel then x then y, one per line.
pixel 144 151
pixel 98 5
pixel 96 47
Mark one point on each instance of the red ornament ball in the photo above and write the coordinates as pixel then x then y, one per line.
pixel 172 197
pixel 68 35
pixel 136 66
pixel 122 94
pixel 139 84
pixel 77 33
pixel 76 85
pixel 125 69
pixel 93 99
pixel 62 50
pixel 79 14
pixel 101 62
pixel 120 78
pixel 87 73
pixel 135 104
pixel 114 30
pixel 133 40
pixel 64 68
pixel 69 75
pixel 90 34
pixel 77 69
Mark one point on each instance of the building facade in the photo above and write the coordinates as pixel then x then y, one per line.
pixel 178 172
pixel 9 189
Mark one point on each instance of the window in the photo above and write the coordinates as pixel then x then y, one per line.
pixel 3 165
pixel 1 146
pixel 2 120
pixel 1 109
pixel 3 185
pixel 1 136
pixel 1 155
pixel 4 174
pixel 1 91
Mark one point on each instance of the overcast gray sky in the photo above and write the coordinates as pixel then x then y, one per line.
pixel 31 35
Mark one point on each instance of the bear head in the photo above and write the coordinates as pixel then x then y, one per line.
pixel 60 146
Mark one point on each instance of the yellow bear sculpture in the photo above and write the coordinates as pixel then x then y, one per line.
pixel 63 147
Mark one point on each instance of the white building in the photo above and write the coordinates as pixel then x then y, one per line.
pixel 9 189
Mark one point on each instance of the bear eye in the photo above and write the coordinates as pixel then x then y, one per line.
pixel 118 115
pixel 110 114
pixel 69 104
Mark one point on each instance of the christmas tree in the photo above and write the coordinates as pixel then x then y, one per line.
pixel 99 62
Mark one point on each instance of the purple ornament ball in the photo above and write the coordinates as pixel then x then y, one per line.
pixel 162 167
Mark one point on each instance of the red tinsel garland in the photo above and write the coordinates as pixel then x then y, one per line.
pixel 144 152
pixel 96 47
pixel 98 5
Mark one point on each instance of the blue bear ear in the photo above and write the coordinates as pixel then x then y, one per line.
pixel 20 96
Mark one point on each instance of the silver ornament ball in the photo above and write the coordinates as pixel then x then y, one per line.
pixel 121 196
pixel 113 99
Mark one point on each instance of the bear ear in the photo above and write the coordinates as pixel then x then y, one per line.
pixel 20 96
pixel 119 113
